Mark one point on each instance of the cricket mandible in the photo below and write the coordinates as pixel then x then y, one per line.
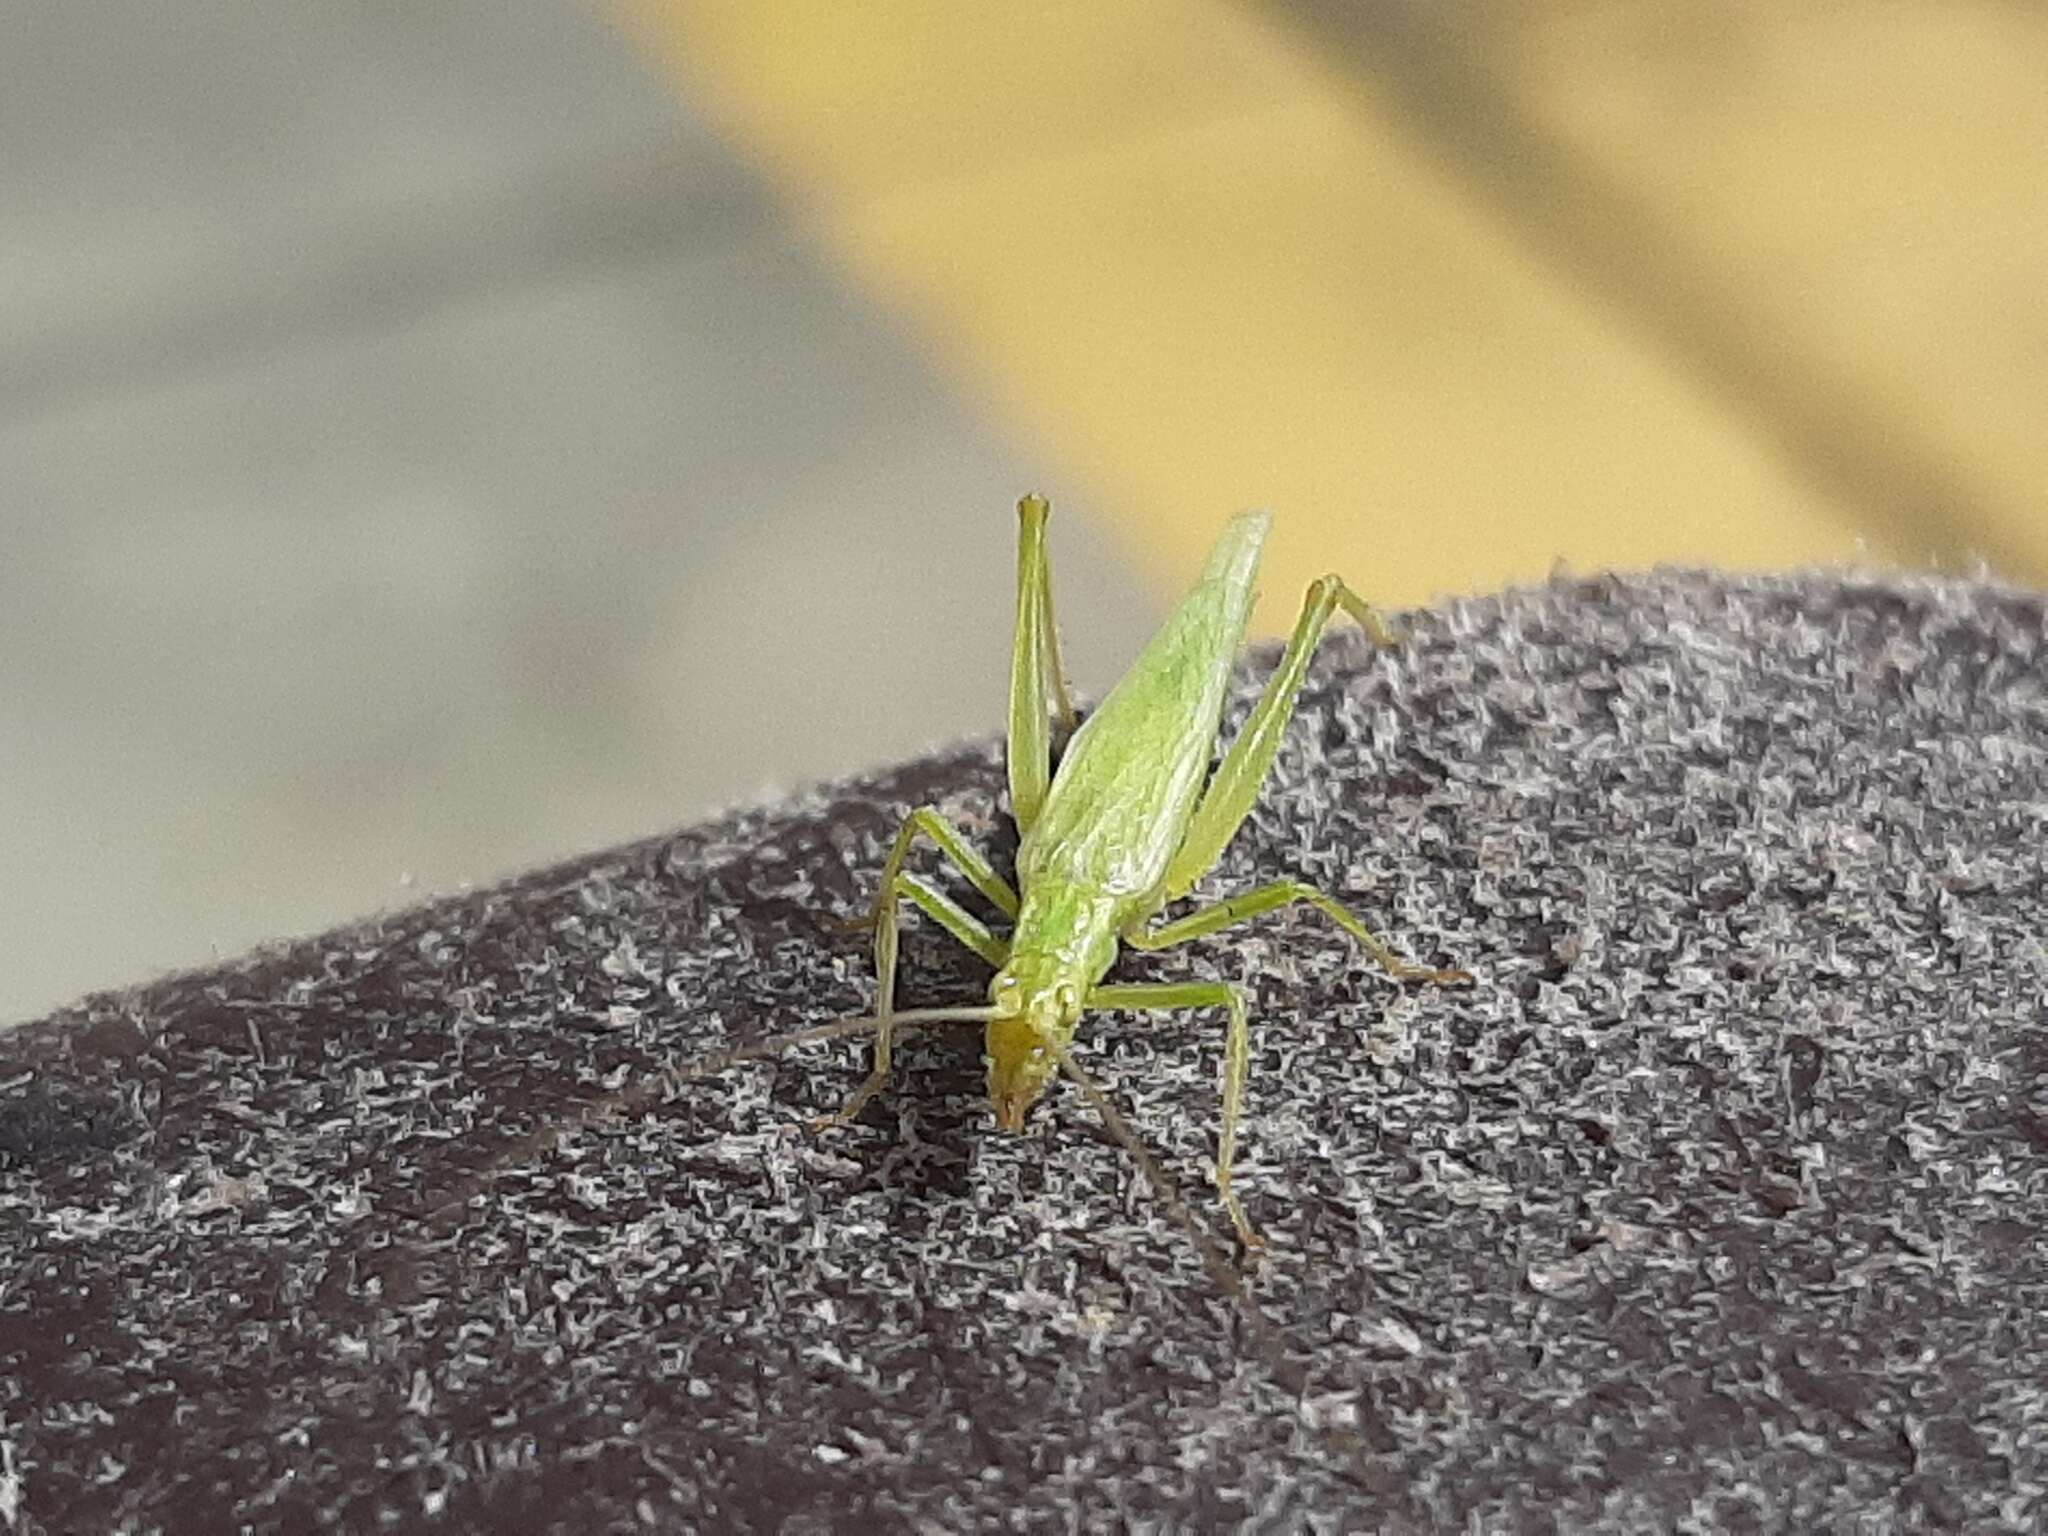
pixel 1126 826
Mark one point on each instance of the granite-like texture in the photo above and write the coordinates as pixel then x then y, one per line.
pixel 1718 1204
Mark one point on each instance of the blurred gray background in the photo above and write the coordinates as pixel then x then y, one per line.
pixel 426 454
pixel 441 439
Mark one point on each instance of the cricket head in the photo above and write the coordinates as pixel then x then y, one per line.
pixel 1037 1002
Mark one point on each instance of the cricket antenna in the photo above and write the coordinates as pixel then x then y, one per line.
pixel 639 1097
pixel 1214 1259
pixel 645 1094
pixel 837 1029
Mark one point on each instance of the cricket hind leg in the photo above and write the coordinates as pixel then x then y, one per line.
pixel 1038 677
pixel 898 886
pixel 1238 778
pixel 1167 996
pixel 1271 898
pixel 927 821
pixel 1236 784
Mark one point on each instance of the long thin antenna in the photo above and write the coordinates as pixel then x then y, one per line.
pixel 642 1094
pixel 1214 1259
pixel 637 1097
pixel 775 1045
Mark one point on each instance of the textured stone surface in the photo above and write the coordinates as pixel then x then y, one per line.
pixel 1718 1203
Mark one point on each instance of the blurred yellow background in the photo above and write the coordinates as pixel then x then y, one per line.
pixel 1461 290
pixel 440 440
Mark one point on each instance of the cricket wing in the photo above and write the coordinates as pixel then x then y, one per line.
pixel 1130 778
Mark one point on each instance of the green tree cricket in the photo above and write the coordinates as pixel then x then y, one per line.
pixel 1129 823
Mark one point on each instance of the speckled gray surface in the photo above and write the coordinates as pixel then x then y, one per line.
pixel 1718 1204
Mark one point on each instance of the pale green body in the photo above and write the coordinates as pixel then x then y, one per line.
pixel 1128 782
pixel 1132 820
pixel 1097 859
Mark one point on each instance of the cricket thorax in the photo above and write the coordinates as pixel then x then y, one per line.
pixel 1065 930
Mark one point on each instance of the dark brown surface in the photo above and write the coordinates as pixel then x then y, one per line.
pixel 1719 1200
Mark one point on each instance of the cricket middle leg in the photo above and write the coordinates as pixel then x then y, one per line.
pixel 1168 996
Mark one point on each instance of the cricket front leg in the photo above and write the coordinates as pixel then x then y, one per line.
pixel 1165 996
pixel 1285 893
pixel 1038 678
pixel 898 886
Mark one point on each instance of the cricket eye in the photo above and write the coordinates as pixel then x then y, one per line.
pixel 1067 998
